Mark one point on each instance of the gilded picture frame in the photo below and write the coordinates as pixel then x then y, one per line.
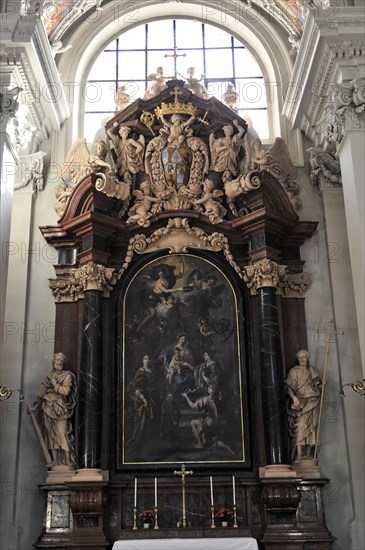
pixel 182 387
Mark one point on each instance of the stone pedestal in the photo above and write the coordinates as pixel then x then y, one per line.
pixel 57 526
pixel 87 502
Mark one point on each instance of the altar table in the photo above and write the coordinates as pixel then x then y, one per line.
pixel 210 543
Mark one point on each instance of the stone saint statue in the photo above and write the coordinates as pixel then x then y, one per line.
pixel 303 384
pixel 56 402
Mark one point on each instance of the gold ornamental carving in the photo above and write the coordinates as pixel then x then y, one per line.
pixel 264 273
pixel 88 277
pixel 177 236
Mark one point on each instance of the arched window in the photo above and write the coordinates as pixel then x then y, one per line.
pixel 219 56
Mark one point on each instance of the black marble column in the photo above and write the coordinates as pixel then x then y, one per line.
pixel 91 383
pixel 272 379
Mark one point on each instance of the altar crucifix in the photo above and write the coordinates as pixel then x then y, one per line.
pixel 175 55
pixel 183 473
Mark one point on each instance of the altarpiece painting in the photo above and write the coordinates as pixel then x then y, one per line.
pixel 182 387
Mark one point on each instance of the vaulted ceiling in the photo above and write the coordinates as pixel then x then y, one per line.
pixel 59 17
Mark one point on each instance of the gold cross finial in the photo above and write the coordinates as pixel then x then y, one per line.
pixel 176 92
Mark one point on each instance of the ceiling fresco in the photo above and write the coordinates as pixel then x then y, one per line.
pixel 55 13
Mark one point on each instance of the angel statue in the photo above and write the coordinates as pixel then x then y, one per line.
pixel 176 130
pixel 62 193
pixel 326 169
pixel 158 84
pixel 276 160
pixel 211 202
pixel 141 210
pixel 195 85
pixel 129 151
pixel 224 150
pixel 121 98
pixel 79 163
pixel 230 97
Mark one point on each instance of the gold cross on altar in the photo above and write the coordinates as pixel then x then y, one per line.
pixel 183 473
pixel 175 56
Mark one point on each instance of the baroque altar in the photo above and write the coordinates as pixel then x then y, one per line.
pixel 179 296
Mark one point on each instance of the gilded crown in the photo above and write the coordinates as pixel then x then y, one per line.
pixel 176 107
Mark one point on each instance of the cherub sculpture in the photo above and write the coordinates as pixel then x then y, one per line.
pixel 230 97
pixel 62 193
pixel 121 98
pixel 211 202
pixel 195 85
pixel 140 211
pixel 79 163
pixel 276 160
pixel 158 84
pixel 325 168
pixel 129 151
pixel 176 130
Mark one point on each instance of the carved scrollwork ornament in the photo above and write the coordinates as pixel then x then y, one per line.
pixel 9 104
pixel 6 392
pixel 264 273
pixel 177 236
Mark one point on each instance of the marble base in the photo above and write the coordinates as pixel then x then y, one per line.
pixel 60 476
pixel 91 474
pixel 277 471
pixel 307 469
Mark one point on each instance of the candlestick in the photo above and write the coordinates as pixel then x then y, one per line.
pixel 156 518
pixel 155 492
pixel 235 517
pixel 134 518
pixel 234 490
pixel 211 491
pixel 212 525
pixel 135 492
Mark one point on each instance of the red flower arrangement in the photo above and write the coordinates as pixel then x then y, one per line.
pixel 146 516
pixel 224 514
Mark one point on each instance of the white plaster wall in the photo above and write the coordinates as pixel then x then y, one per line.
pixel 351 154
pixel 27 352
pixel 7 164
pixel 331 297
pixel 349 357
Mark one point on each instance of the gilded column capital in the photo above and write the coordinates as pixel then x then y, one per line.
pixel 96 277
pixel 264 273
pixel 88 277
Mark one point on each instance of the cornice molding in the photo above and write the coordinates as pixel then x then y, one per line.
pixel 340 56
